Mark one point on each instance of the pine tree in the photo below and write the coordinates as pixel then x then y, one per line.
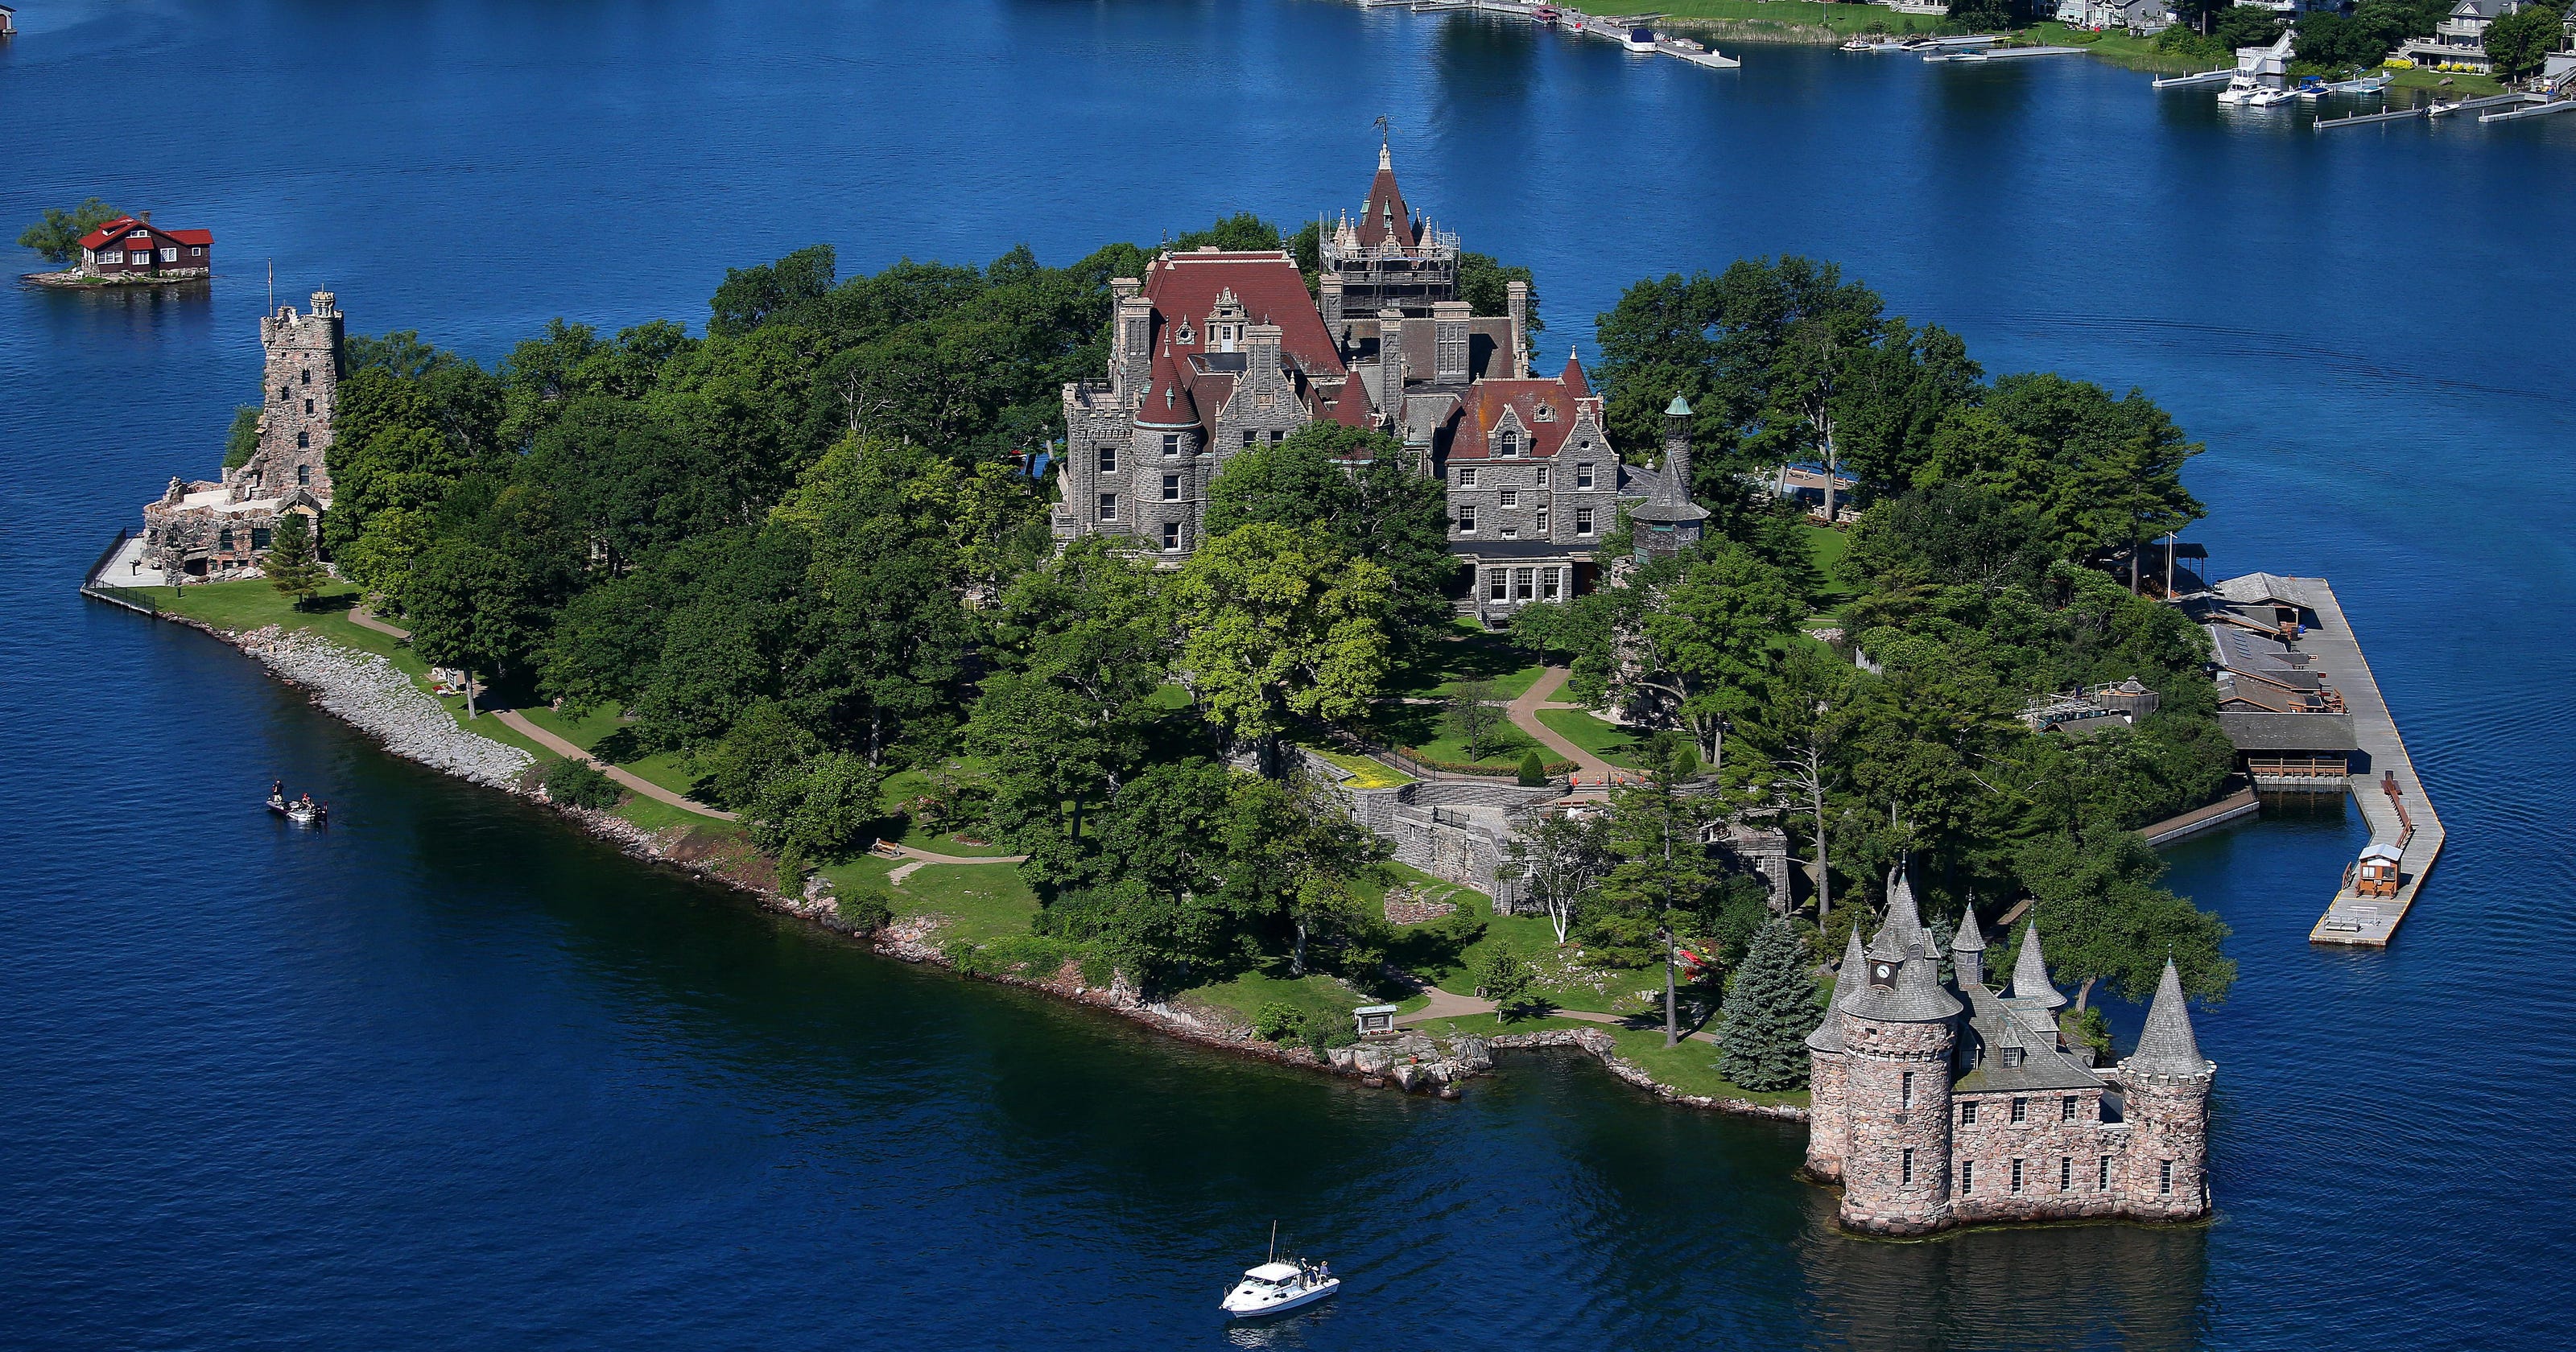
pixel 1771 1006
pixel 291 566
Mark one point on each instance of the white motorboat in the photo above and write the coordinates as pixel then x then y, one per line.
pixel 1276 1288
pixel 1639 40
pixel 2265 98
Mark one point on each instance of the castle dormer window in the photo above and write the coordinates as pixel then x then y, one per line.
pixel 1546 413
pixel 1508 443
pixel 2012 1058
pixel 1187 334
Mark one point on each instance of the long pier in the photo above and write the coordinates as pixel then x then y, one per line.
pixel 2390 795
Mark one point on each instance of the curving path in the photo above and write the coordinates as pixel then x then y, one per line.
pixel 1524 715
pixel 516 722
pixel 1446 1005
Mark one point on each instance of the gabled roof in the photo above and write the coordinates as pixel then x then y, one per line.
pixel 110 232
pixel 1266 283
pixel 1543 411
pixel 2255 588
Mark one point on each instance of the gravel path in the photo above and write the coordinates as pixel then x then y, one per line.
pixel 367 691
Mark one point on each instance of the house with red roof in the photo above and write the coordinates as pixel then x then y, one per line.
pixel 132 246
pixel 1215 352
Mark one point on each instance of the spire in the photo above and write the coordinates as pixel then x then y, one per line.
pixel 1916 997
pixel 2030 972
pixel 1902 936
pixel 2166 1046
pixel 1678 408
pixel 1969 939
pixel 1572 377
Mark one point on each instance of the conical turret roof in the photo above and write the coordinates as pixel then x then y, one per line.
pixel 1969 939
pixel 1902 936
pixel 2166 1046
pixel 2030 972
pixel 1828 1036
pixel 1917 996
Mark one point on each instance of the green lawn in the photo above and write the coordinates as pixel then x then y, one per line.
pixel 1843 19
pixel 2120 49
pixel 1690 1067
pixel 1470 654
pixel 1424 729
pixel 607 737
pixel 1325 1001
pixel 1607 740
pixel 1365 773
pixel 982 902
pixel 900 789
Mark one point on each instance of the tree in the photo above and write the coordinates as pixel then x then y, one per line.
pixel 58 235
pixel 1663 867
pixel 1293 852
pixel 470 608
pixel 1533 770
pixel 241 440
pixel 1563 859
pixel 2103 919
pixel 1359 489
pixel 1502 977
pixel 2519 42
pixel 1475 718
pixel 1277 621
pixel 291 566
pixel 753 296
pixel 1486 287
pixel 816 810
pixel 1707 639
pixel 1798 731
pixel 1771 1006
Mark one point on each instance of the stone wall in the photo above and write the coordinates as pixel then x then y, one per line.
pixel 2168 1120
pixel 2052 1150
pixel 1827 1134
pixel 1896 1100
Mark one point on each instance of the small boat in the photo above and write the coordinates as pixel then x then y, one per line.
pixel 1546 14
pixel 1868 44
pixel 2266 98
pixel 301 811
pixel 2311 88
pixel 1639 40
pixel 1276 1287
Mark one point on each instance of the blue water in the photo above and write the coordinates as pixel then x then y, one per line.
pixel 454 1076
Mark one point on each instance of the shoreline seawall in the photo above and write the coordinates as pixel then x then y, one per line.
pixel 365 691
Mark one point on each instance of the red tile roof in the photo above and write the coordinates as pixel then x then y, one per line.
pixel 1185 290
pixel 1386 219
pixel 118 230
pixel 1488 399
pixel 1572 378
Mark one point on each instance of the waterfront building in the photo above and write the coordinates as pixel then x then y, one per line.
pixel 1940 1103
pixel 1214 352
pixel 2459 41
pixel 132 246
pixel 208 528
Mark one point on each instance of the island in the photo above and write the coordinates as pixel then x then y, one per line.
pixel 1243 636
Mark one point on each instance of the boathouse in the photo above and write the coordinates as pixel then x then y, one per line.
pixel 131 246
pixel 8 21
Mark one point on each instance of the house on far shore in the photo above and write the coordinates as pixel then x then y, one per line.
pixel 8 24
pixel 131 246
pixel 2459 42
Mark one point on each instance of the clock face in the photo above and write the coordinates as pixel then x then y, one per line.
pixel 1882 973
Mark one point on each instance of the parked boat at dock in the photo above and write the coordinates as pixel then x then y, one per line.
pixel 1639 40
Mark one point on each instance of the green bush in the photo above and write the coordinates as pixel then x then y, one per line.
pixel 867 909
pixel 1533 769
pixel 579 784
pixel 1280 1022
pixel 1503 978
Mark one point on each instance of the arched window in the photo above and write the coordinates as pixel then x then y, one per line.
pixel 304 475
pixel 1510 443
pixel 303 440
pixel 308 375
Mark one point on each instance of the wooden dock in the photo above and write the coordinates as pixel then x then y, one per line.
pixel 2233 807
pixel 2357 119
pixel 2403 817
pixel 2534 106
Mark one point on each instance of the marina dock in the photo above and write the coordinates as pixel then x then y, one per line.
pixel 2390 795
pixel 2219 76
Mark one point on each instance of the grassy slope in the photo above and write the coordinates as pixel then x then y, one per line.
pixel 1367 774
pixel 1324 1000
pixel 982 902
pixel 1609 741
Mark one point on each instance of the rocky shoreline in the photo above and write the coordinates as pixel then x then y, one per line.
pixel 369 693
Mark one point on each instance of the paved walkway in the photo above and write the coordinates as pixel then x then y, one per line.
pixel 2352 918
pixel 516 722
pixel 1524 713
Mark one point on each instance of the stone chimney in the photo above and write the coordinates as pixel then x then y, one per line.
pixel 1328 297
pixel 145 217
pixel 1131 342
pixel 1261 348
pixel 1390 359
pixel 1520 329
pixel 1449 341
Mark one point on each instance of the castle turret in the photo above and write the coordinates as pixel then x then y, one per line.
pixel 302 388
pixel 1677 452
pixel 2030 973
pixel 2166 1175
pixel 1968 951
pixel 1827 1137
pixel 1897 1031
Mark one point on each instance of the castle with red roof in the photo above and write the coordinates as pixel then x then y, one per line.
pixel 1213 352
pixel 133 247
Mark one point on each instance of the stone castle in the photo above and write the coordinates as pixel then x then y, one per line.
pixel 1948 1103
pixel 210 529
pixel 1214 352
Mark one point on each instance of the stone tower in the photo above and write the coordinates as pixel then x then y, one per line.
pixel 302 388
pixel 1897 1035
pixel 1968 951
pixel 2168 1102
pixel 1677 453
pixel 1827 1136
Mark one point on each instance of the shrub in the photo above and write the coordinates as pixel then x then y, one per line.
pixel 579 784
pixel 1503 978
pixel 1533 769
pixel 1280 1022
pixel 867 909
